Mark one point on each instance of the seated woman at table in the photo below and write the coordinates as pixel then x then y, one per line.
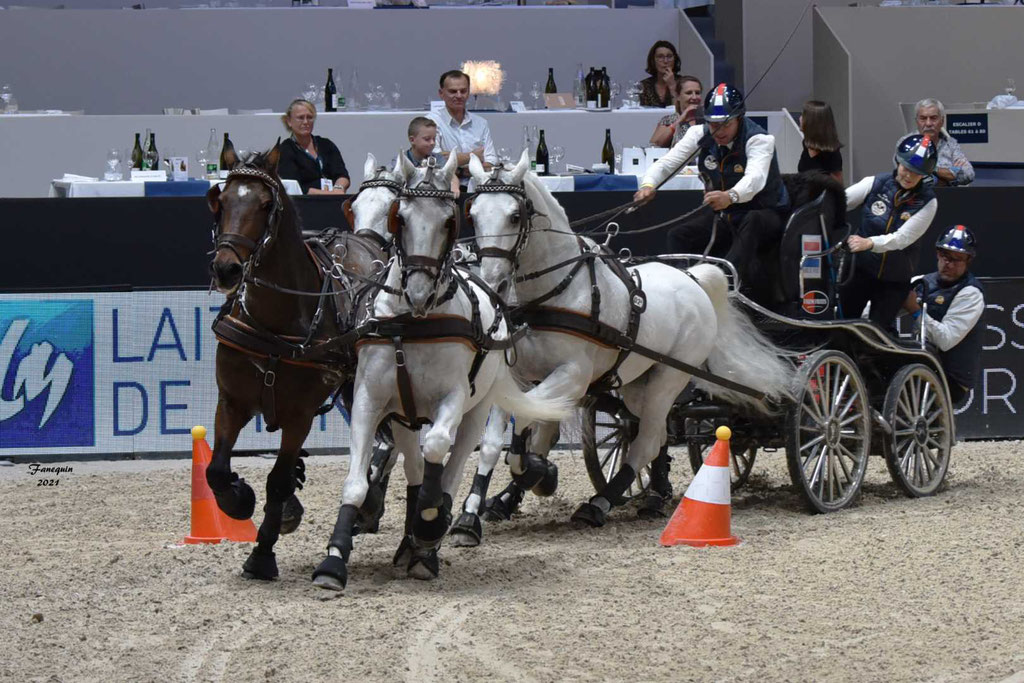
pixel 663 66
pixel 313 161
pixel 689 112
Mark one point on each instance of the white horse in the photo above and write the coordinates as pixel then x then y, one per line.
pixel 688 317
pixel 419 291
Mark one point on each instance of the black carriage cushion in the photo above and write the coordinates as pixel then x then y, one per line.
pixel 805 187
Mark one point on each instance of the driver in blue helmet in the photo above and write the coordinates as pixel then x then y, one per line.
pixel 740 169
pixel 898 208
pixel 954 302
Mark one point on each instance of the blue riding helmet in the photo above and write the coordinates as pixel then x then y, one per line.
pixel 917 153
pixel 960 239
pixel 723 103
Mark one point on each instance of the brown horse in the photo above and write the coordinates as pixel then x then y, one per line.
pixel 279 353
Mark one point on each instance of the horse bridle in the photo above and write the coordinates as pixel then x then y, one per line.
pixel 375 181
pixel 232 240
pixel 526 213
pixel 435 268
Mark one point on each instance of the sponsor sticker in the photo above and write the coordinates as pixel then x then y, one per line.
pixel 710 163
pixel 811 244
pixel 879 208
pixel 815 302
pixel 738 168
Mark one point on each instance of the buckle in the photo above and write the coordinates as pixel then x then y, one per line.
pixel 269 377
pixel 400 357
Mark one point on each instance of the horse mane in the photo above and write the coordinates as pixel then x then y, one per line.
pixel 551 206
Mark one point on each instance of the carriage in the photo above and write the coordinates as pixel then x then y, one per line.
pixel 860 392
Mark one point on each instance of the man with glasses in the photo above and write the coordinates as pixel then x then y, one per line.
pixel 954 301
pixel 740 169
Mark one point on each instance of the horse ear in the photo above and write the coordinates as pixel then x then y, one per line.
pixel 213 198
pixel 519 172
pixel 476 169
pixel 404 167
pixel 274 157
pixel 450 166
pixel 370 166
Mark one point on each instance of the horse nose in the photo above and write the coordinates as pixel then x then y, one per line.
pixel 228 273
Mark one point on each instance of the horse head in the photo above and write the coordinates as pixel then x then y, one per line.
pixel 367 213
pixel 423 223
pixel 499 216
pixel 247 210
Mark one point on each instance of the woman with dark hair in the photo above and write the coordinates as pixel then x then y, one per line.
pixel 821 141
pixel 663 66
pixel 689 111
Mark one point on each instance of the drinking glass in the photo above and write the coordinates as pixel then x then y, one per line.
pixel 504 156
pixel 113 171
pixel 309 92
pixel 381 97
pixel 518 92
pixel 535 92
pixel 396 95
pixel 614 91
pixel 1011 86
pixel 557 154
pixel 368 95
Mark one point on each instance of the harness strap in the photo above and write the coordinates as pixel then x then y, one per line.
pixel 404 383
pixel 267 400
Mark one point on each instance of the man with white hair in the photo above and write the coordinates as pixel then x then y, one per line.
pixel 953 167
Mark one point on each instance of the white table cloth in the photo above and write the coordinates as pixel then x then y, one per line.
pixel 123 188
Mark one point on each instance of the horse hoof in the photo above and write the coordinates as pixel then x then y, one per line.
pixel 403 556
pixel 549 484
pixel 238 501
pixel 652 507
pixel 535 468
pixel 260 566
pixel 590 515
pixel 332 574
pixel 291 515
pixel 424 566
pixel 468 531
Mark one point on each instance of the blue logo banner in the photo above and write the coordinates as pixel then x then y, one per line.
pixel 47 369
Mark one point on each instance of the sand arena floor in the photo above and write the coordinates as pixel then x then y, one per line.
pixel 93 586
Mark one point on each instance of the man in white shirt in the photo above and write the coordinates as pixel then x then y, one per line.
pixel 740 169
pixel 954 302
pixel 459 131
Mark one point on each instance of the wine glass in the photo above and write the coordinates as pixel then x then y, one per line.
pixel 309 92
pixel 635 88
pixel 504 156
pixel 614 91
pixel 381 97
pixel 557 154
pixel 518 92
pixel 1011 86
pixel 618 157
pixel 396 95
pixel 113 171
pixel 368 95
pixel 535 94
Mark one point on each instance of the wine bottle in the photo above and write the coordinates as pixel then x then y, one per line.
pixel 543 167
pixel 211 156
pixel 137 156
pixel 550 88
pixel 146 155
pixel 154 155
pixel 532 149
pixel 608 151
pixel 603 89
pixel 225 163
pixel 580 89
pixel 591 89
pixel 330 93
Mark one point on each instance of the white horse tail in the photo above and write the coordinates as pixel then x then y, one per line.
pixel 741 352
pixel 525 406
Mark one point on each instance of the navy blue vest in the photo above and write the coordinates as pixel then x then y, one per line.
pixel 721 168
pixel 887 207
pixel 961 362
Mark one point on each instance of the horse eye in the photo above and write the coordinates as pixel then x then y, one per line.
pixel 514 217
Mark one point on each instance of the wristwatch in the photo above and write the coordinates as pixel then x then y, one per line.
pixel 734 196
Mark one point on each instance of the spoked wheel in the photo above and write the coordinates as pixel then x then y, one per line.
pixel 608 430
pixel 921 415
pixel 829 435
pixel 700 435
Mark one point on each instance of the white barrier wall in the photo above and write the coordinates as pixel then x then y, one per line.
pixel 110 373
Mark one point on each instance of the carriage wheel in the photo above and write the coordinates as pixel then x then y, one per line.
pixel 921 415
pixel 829 433
pixel 606 439
pixel 700 434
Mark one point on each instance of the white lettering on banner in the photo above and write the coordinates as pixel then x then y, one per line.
pixel 1016 321
pixel 1002 335
pixel 1005 398
pixel 154 375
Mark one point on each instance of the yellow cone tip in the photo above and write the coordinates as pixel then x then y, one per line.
pixel 198 432
pixel 723 433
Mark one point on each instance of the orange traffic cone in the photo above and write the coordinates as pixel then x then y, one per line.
pixel 209 524
pixel 704 513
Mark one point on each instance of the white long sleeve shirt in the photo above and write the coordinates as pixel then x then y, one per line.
pixel 908 233
pixel 963 314
pixel 760 149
